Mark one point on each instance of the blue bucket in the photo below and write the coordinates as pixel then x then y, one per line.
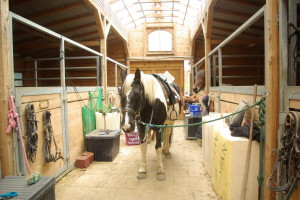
pixel 195 110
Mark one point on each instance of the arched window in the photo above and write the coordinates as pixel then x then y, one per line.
pixel 160 41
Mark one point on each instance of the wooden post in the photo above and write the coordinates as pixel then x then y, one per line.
pixel 104 65
pixel 207 27
pixel 272 85
pixel 6 140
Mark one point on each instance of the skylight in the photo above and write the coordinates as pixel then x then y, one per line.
pixel 135 12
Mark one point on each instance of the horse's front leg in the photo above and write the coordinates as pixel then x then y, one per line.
pixel 160 174
pixel 143 146
pixel 167 142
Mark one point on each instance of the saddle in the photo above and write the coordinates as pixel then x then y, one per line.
pixel 170 93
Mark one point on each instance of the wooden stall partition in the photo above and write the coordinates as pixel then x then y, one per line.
pixel 75 126
pixel 52 103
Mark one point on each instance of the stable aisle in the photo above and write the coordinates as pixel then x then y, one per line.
pixel 186 178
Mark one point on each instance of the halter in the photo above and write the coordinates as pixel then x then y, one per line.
pixel 136 114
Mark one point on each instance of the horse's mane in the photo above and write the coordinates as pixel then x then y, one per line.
pixel 151 86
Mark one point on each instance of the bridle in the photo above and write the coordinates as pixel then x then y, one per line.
pixel 136 114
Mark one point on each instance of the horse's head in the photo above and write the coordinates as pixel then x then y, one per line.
pixel 132 98
pixel 199 82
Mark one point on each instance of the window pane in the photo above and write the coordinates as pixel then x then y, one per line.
pixel 160 41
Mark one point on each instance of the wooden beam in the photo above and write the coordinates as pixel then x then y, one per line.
pixel 272 86
pixel 207 27
pixel 231 31
pixel 77 28
pixel 227 22
pixel 68 20
pixel 97 16
pixel 219 35
pixel 54 10
pixel 6 140
pixel 35 32
pixel 84 34
pixel 233 13
pixel 60 22
pixel 103 50
pixel 21 3
pixel 246 3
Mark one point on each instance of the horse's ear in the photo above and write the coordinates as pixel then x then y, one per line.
pixel 123 74
pixel 137 76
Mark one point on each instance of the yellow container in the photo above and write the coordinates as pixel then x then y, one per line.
pixel 229 163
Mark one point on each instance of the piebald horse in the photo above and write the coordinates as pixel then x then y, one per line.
pixel 148 98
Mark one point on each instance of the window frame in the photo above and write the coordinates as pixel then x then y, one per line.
pixel 151 30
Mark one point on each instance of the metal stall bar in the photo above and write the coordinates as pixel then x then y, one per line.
pixel 64 107
pixel 35 73
pixel 200 61
pixel 220 77
pixel 116 75
pixel 54 34
pixel 214 63
pixel 238 31
pixel 116 62
pixel 98 71
pixel 18 157
pixel 13 16
pixel 220 66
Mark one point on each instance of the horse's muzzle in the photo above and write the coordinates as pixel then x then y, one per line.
pixel 128 127
pixel 196 90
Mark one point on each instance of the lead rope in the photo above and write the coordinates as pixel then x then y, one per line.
pixel 261 123
pixel 13 118
pixel 147 128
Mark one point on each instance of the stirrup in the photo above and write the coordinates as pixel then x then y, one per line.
pixel 170 117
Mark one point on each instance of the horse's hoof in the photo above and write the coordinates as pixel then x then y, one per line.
pixel 141 175
pixel 160 176
pixel 168 155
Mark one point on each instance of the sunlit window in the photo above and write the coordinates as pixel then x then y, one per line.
pixel 160 41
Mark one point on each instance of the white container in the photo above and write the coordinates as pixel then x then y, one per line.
pixel 207 138
pixel 112 120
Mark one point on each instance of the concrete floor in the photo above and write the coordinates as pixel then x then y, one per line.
pixel 186 178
